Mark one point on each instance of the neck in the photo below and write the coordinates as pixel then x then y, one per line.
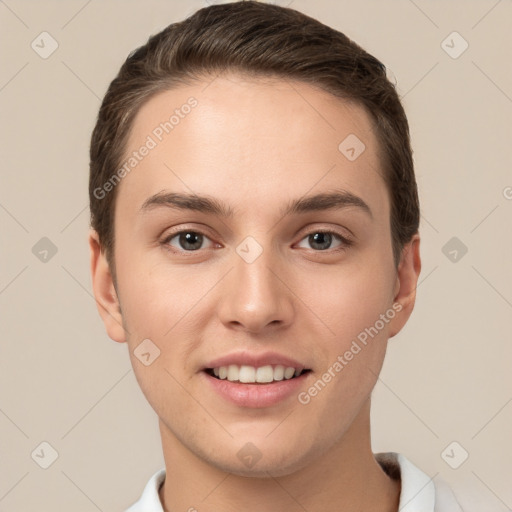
pixel 346 477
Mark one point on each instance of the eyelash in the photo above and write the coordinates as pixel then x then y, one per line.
pixel 346 243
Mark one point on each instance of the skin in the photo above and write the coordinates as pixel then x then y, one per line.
pixel 257 144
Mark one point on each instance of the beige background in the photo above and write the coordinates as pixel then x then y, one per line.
pixel 63 381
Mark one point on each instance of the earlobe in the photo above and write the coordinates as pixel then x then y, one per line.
pixel 406 283
pixel 105 293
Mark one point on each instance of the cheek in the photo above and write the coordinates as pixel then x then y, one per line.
pixel 153 294
pixel 169 305
pixel 159 305
pixel 349 300
pixel 354 347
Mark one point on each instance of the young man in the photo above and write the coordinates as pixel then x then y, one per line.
pixel 255 242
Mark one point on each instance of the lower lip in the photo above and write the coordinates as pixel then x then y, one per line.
pixel 256 395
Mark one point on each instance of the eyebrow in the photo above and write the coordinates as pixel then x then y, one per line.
pixel 335 200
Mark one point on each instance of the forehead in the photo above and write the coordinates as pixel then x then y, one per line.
pixel 252 141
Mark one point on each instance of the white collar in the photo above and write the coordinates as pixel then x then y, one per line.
pixel 419 493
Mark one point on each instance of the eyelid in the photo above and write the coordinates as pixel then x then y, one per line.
pixel 197 228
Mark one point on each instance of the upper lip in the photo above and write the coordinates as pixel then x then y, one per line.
pixel 256 360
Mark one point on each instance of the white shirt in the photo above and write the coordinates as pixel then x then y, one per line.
pixel 419 493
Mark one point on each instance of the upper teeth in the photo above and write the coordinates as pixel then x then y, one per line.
pixel 262 374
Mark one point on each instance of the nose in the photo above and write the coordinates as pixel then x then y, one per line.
pixel 257 296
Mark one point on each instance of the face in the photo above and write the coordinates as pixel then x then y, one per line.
pixel 280 257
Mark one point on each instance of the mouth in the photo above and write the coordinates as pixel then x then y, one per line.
pixel 255 375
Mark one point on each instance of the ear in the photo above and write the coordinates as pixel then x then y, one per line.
pixel 406 282
pixel 105 293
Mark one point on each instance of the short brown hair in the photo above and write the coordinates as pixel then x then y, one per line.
pixel 258 39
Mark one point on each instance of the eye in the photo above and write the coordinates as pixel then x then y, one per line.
pixel 186 240
pixel 189 240
pixel 322 240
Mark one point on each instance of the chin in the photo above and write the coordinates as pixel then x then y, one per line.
pixel 263 468
pixel 258 457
